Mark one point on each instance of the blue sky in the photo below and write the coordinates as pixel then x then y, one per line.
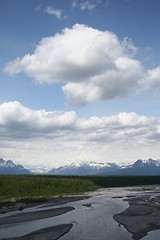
pixel 79 81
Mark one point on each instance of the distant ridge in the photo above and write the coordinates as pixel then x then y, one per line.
pixel 140 167
pixel 9 167
pixel 90 168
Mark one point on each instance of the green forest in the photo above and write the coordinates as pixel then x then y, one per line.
pixel 41 187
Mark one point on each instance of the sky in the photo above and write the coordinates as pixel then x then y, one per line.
pixel 79 81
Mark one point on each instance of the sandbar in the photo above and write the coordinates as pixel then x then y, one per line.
pixel 142 215
pixel 36 215
pixel 50 233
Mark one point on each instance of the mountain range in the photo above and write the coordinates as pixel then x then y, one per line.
pixel 140 167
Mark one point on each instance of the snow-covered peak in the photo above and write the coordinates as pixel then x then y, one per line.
pixel 10 163
pixel 7 163
pixel 91 164
pixel 9 167
pixel 149 162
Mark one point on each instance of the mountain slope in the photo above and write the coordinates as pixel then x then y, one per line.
pixel 9 167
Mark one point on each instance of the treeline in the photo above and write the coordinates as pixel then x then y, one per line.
pixel 44 186
pixel 31 186
pixel 124 181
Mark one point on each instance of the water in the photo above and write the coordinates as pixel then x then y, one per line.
pixel 92 219
pixel 96 222
pixel 153 235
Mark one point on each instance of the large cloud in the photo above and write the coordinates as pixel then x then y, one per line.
pixel 91 64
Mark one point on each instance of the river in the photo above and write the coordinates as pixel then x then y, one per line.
pixel 92 218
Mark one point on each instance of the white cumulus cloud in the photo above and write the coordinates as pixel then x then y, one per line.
pixel 91 64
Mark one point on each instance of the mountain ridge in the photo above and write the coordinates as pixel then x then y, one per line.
pixel 9 167
pixel 139 167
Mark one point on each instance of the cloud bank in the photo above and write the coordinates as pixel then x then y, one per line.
pixel 46 138
pixel 91 64
pixel 17 121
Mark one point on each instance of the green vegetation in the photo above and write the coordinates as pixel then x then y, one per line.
pixel 31 188
pixel 37 187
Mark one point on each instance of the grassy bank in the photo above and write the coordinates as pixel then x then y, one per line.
pixel 36 188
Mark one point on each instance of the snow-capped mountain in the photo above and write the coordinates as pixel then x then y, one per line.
pixel 89 168
pixel 146 163
pixel 140 167
pixel 9 167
